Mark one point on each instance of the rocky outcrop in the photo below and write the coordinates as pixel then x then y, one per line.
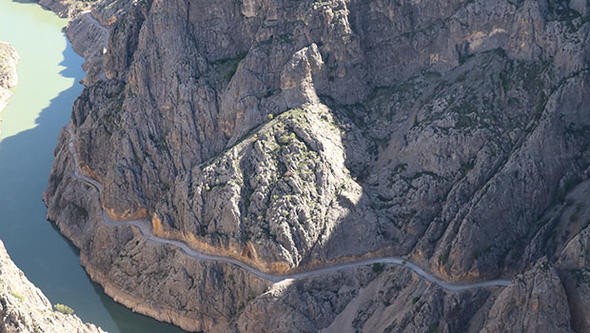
pixel 8 76
pixel 89 39
pixel 393 300
pixel 24 308
pixel 289 134
pixel 536 302
pixel 68 8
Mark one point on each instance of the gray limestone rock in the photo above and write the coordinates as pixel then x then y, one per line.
pixel 536 302
pixel 291 134
pixel 8 75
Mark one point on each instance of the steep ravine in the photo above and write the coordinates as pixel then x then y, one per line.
pixel 296 134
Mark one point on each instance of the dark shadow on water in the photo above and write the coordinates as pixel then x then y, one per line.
pixel 126 321
pixel 48 260
pixel 131 322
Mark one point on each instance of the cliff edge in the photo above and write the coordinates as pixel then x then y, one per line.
pixel 8 76
pixel 292 135
pixel 24 308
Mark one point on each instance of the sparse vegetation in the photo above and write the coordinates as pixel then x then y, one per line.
pixel 467 166
pixel 476 254
pixel 433 328
pixel 443 259
pixel 285 139
pixel 576 214
pixel 378 268
pixel 231 65
pixel 17 295
pixel 582 276
pixel 286 38
pixel 568 185
pixel 62 308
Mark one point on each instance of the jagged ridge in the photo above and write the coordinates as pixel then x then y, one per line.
pixel 457 135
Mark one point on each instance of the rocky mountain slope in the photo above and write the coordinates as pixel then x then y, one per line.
pixel 68 8
pixel 24 308
pixel 8 77
pixel 292 134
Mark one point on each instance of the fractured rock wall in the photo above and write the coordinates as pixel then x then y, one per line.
pixel 288 134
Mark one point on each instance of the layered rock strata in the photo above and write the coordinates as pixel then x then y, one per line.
pixel 291 134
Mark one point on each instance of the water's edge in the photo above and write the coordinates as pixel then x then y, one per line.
pixel 49 73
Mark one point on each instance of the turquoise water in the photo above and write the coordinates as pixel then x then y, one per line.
pixel 49 72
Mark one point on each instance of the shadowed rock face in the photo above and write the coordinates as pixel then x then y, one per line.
pixel 293 133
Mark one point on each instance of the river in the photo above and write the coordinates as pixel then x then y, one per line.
pixel 49 74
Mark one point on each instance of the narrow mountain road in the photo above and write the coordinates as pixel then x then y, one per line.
pixel 145 228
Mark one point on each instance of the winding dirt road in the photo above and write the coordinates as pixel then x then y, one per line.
pixel 145 228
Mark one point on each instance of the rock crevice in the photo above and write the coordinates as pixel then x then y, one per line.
pixel 296 132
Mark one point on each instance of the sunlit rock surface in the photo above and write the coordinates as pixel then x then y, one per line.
pixel 295 133
pixel 8 75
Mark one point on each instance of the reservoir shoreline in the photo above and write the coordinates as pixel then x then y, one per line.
pixel 49 76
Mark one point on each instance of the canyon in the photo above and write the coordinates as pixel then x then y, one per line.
pixel 23 307
pixel 296 135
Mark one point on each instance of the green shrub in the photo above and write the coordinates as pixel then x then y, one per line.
pixel 284 139
pixel 63 309
pixel 17 295
pixel 378 267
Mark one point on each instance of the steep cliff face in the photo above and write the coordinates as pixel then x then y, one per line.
pixel 8 76
pixel 24 308
pixel 289 134
pixel 68 8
